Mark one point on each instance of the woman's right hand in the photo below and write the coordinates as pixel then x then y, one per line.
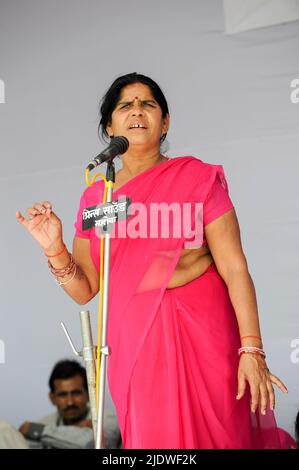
pixel 44 226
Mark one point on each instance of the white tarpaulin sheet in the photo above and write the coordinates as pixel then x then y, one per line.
pixel 243 15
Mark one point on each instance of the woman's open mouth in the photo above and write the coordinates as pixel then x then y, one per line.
pixel 138 126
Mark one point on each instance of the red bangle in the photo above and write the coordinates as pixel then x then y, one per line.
pixel 257 337
pixel 57 254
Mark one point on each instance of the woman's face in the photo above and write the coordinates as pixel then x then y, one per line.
pixel 138 117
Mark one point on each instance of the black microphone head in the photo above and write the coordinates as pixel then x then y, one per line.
pixel 120 143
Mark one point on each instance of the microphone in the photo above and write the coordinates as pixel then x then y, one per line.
pixel 117 146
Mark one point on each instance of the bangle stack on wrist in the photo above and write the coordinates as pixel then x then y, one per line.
pixel 71 268
pixel 252 349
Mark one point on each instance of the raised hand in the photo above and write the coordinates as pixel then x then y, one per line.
pixel 44 226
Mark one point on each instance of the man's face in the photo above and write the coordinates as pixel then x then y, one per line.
pixel 71 399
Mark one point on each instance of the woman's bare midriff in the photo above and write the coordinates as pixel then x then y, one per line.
pixel 192 263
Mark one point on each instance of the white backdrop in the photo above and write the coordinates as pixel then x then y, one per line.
pixel 230 104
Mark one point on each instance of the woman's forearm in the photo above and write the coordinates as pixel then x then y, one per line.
pixel 242 294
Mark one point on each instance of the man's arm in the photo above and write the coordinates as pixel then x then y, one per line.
pixel 57 437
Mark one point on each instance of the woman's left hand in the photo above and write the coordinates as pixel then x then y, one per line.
pixel 254 370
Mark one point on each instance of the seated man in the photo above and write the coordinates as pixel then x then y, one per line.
pixel 70 427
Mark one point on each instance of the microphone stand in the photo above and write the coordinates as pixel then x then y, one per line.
pixel 88 352
pixel 105 350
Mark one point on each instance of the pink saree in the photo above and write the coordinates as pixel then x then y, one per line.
pixel 173 367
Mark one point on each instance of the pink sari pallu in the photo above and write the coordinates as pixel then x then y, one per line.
pixel 173 367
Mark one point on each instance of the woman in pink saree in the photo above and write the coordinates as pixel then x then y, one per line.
pixel 182 302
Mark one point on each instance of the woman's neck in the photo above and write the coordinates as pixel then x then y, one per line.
pixel 137 162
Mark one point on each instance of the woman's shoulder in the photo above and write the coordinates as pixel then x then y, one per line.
pixel 195 163
pixel 197 170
